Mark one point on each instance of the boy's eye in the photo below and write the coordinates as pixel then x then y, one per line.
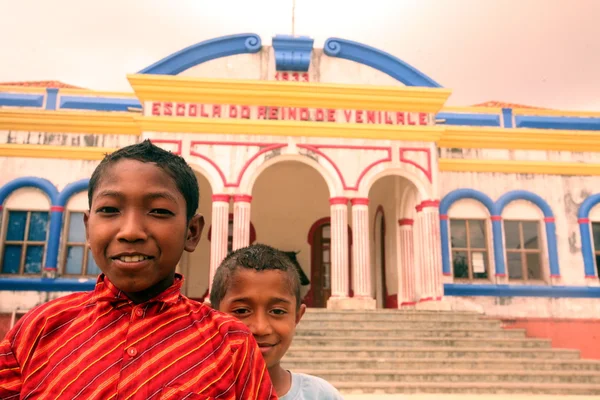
pixel 240 311
pixel 107 210
pixel 279 311
pixel 161 211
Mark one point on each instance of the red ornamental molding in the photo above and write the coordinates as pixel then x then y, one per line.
pixel 57 209
pixel 496 218
pixel 334 201
pixel 579 221
pixel 444 217
pixel 404 159
pixel 221 197
pixel 406 222
pixel 263 148
pixel 428 203
pixel 360 201
pixel 549 219
pixel 242 198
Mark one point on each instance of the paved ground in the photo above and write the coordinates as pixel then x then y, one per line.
pixel 461 397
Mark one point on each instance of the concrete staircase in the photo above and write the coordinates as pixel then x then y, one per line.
pixel 397 351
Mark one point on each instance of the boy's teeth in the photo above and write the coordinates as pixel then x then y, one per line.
pixel 132 258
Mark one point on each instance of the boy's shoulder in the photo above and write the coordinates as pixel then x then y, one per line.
pixel 43 316
pixel 226 324
pixel 306 386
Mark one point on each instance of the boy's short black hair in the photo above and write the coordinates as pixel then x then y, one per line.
pixel 172 164
pixel 258 257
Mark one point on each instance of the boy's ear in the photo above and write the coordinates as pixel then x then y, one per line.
pixel 194 232
pixel 300 313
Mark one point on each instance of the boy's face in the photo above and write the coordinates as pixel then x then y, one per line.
pixel 137 228
pixel 264 301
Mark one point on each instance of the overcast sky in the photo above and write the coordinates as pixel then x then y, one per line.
pixel 537 52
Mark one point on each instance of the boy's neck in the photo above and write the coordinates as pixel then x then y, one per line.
pixel 153 291
pixel 281 379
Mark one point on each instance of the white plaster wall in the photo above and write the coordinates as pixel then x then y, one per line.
pixel 241 66
pixel 59 172
pixel 66 139
pixel 288 198
pixel 564 194
pixel 539 307
pixel 337 70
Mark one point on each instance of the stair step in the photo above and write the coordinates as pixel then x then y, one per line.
pixel 401 332
pixel 427 353
pixel 416 341
pixel 397 316
pixel 470 387
pixel 449 375
pixel 408 324
pixel 513 364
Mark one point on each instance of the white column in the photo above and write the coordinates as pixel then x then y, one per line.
pixel 218 238
pixel 430 285
pixel 361 256
pixel 407 272
pixel 241 221
pixel 339 248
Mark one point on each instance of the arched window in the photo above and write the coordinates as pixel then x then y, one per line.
pixel 529 236
pixel 466 235
pixel 24 233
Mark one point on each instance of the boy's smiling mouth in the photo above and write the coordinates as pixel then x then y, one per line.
pixel 131 259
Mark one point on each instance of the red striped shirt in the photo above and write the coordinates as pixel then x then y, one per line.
pixel 100 345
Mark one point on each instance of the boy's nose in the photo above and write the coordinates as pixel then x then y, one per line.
pixel 260 326
pixel 132 228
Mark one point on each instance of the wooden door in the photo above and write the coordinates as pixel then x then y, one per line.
pixel 321 284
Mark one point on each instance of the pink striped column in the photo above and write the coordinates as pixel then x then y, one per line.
pixel 407 262
pixel 361 256
pixel 339 247
pixel 430 284
pixel 218 239
pixel 241 220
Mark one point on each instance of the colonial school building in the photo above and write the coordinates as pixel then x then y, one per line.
pixel 345 155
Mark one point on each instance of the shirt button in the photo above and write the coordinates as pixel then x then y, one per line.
pixel 132 351
pixel 139 312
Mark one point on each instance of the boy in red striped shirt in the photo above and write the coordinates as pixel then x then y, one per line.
pixel 135 336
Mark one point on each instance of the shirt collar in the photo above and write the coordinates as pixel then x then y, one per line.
pixel 106 291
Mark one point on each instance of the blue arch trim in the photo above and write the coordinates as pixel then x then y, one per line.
pixel 511 196
pixel 463 119
pixel 98 103
pixel 587 205
pixel 205 51
pixel 292 53
pixel 586 236
pixel 380 60
pixel 29 181
pixel 70 190
pixel 445 205
pixel 547 122
pixel 460 194
pixel 21 100
pixel 499 206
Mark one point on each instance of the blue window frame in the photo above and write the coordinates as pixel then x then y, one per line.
pixel 77 257
pixel 24 242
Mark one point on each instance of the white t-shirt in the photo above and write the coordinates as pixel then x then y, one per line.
pixel 308 387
